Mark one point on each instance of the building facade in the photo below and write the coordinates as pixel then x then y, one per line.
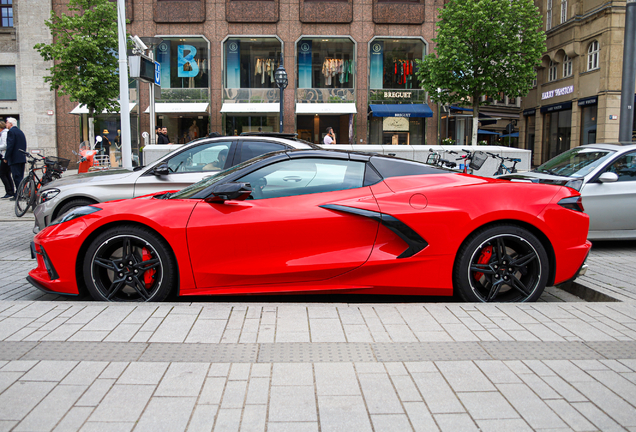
pixel 576 99
pixel 350 66
pixel 23 93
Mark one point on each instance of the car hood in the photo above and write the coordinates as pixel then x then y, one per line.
pixel 106 176
pixel 544 178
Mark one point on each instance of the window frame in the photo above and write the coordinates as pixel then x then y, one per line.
pixel 593 51
pixel 201 148
pixel 552 71
pixel 548 15
pixel 564 11
pixel 567 66
pixel 15 85
pixel 10 19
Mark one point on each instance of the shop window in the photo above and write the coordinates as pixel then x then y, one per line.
pixel 567 66
pixel 588 134
pixel 548 15
pixel 6 13
pixel 564 11
pixel 552 71
pixel 556 133
pixel 592 55
pixel 184 62
pixel 326 63
pixel 7 83
pixel 392 63
pixel 398 1
pixel 237 124
pixel 251 62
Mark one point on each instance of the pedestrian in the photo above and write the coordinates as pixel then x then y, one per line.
pixel 5 171
pixel 330 138
pixel 157 132
pixel 163 136
pixel 16 160
pixel 105 145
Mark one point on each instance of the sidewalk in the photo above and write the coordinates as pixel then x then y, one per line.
pixel 254 365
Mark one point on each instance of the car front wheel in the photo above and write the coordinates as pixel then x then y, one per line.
pixel 501 263
pixel 129 263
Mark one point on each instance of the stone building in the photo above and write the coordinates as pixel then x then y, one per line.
pixel 350 65
pixel 23 93
pixel 576 99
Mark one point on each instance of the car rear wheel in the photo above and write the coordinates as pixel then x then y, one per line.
pixel 129 263
pixel 501 263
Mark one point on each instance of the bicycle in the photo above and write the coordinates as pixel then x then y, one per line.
pixel 473 160
pixel 434 158
pixel 27 191
pixel 502 168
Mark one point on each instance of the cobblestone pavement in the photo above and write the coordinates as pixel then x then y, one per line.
pixel 255 365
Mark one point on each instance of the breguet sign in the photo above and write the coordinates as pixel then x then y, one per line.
pixel 557 92
pixel 397 95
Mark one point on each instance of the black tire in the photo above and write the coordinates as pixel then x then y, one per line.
pixel 78 202
pixel 129 263
pixel 25 196
pixel 501 263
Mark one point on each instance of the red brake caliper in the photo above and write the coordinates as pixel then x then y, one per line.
pixel 484 258
pixel 149 276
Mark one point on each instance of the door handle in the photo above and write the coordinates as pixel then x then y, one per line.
pixel 292 178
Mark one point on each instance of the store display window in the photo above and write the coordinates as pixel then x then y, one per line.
pixel 326 63
pixel 251 62
pixel 392 63
pixel 185 62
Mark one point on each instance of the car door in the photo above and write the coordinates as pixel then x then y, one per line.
pixel 188 167
pixel 283 235
pixel 612 205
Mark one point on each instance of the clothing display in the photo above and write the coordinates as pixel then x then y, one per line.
pixel 338 69
pixel 401 73
pixel 265 67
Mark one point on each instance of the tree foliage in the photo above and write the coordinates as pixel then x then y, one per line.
pixel 83 50
pixel 484 47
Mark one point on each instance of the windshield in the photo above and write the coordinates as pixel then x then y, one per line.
pixel 194 189
pixel 577 162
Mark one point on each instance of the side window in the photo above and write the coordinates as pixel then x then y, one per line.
pixel 252 149
pixel 305 176
pixel 625 167
pixel 204 157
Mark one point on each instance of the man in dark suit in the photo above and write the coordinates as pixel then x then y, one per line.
pixel 16 141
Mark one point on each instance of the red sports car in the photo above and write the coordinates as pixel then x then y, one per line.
pixel 321 221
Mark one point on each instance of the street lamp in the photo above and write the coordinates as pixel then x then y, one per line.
pixel 281 81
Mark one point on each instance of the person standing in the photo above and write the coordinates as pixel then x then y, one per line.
pixel 163 137
pixel 105 144
pixel 16 141
pixel 5 171
pixel 330 138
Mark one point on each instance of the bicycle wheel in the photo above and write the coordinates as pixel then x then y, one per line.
pixel 24 196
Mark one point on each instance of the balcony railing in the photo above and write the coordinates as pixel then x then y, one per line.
pixel 322 95
pixel 248 95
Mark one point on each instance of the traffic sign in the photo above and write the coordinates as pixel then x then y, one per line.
pixel 157 73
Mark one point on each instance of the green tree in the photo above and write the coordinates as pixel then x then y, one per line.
pixel 84 54
pixel 484 47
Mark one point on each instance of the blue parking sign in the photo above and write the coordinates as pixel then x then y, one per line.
pixel 158 74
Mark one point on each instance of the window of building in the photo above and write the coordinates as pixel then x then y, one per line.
pixel 564 11
pixel 251 62
pixel 552 71
pixel 325 62
pixel 592 55
pixel 588 133
pixel 184 62
pixel 392 63
pixel 567 66
pixel 7 83
pixel 6 13
pixel 548 15
pixel 556 133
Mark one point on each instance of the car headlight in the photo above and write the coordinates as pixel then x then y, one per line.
pixel 48 194
pixel 74 214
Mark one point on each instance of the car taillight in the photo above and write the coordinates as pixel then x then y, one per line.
pixel 573 203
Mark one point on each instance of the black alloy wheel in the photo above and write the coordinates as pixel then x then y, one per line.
pixel 129 263
pixel 502 263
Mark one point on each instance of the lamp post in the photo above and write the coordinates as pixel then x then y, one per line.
pixel 281 81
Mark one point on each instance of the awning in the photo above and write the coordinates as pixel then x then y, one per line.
pixel 180 108
pixel 401 110
pixel 486 132
pixel 82 109
pixel 250 108
pixel 326 108
pixel 512 135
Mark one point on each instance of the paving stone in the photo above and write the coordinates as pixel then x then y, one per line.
pixel 234 394
pixel 258 391
pixel 390 423
pixel 336 379
pixel 437 394
pixel 532 409
pixel 455 423
pixel 107 427
pixel 123 402
pixel 420 417
pixel 143 373
pixel 254 418
pixel 19 399
pixel 84 373
pixel 212 391
pixel 50 411
pixel 608 401
pixel 292 374
pixel 601 420
pixel 571 416
pixel 293 403
pixel 49 371
pixel 292 427
pixel 74 419
pixel 203 418
pixel 505 425
pixel 487 405
pixel 343 413
pixel 183 379
pixel 379 394
pixel 166 414
pixel 96 392
pixel 464 376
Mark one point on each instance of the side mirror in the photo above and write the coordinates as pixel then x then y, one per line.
pixel 608 177
pixel 230 192
pixel 161 170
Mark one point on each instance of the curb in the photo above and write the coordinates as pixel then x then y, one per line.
pixel 586 293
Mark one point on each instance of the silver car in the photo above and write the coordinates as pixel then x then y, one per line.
pixel 176 170
pixel 605 174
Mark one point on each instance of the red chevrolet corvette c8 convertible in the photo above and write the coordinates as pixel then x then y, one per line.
pixel 321 221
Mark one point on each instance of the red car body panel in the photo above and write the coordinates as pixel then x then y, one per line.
pixel 292 244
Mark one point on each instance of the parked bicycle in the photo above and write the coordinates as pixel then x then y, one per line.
pixel 503 168
pixel 51 169
pixel 435 158
pixel 473 160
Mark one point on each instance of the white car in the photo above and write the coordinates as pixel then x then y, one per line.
pixel 605 174
pixel 176 170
